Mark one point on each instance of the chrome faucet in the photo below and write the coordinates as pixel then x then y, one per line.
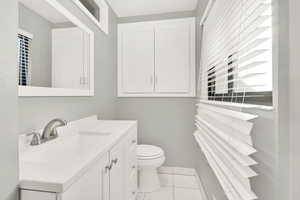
pixel 50 131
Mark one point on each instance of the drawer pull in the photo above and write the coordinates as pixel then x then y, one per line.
pixel 108 168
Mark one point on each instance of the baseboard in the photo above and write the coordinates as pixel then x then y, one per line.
pixel 177 170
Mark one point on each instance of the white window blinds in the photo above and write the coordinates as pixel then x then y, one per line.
pixel 24 58
pixel 236 60
pixel 225 139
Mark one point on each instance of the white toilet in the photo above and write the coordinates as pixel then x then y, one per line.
pixel 149 159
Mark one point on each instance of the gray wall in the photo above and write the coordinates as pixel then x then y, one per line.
pixel 8 96
pixel 294 98
pixel 41 45
pixel 35 112
pixel 167 122
pixel 265 138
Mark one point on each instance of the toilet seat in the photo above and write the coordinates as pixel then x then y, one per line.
pixel 149 152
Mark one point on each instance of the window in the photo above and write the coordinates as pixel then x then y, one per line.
pixel 236 60
pixel 96 10
pixel 92 7
pixel 24 57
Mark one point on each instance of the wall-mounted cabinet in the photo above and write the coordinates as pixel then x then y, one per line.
pixel 157 59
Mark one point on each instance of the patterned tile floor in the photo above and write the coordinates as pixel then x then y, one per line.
pixel 175 187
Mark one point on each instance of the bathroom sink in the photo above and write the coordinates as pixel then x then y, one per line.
pixel 63 149
pixel 97 130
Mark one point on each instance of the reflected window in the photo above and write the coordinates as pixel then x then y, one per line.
pixel 24 58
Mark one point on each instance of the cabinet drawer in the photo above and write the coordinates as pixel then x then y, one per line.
pixel 35 195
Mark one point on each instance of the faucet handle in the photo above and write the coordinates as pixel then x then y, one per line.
pixel 36 139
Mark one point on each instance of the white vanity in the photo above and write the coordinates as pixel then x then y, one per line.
pixel 90 160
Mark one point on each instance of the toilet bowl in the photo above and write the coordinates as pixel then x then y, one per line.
pixel 149 158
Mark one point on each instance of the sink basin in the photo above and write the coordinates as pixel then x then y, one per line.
pixel 96 130
pixel 62 149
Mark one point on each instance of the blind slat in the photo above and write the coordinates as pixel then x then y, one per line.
pixel 237 30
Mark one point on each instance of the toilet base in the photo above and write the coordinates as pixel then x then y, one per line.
pixel 148 180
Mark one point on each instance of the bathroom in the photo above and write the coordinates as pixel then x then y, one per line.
pixel 165 120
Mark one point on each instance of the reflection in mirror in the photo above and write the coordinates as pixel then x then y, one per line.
pixel 52 51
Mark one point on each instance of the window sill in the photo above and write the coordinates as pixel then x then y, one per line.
pixel 238 105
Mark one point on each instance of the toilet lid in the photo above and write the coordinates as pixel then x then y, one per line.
pixel 146 151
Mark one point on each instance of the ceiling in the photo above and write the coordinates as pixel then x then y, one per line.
pixel 126 8
pixel 45 10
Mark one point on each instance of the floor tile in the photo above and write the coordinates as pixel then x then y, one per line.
pixel 187 194
pixel 185 181
pixel 166 180
pixel 184 171
pixel 166 170
pixel 165 193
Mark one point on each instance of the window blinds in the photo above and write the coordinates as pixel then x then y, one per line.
pixel 24 59
pixel 225 139
pixel 236 58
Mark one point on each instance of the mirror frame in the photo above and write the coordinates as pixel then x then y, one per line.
pixel 32 91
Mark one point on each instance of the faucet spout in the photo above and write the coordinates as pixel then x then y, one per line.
pixel 50 131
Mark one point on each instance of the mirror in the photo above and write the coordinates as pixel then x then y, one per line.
pixel 55 51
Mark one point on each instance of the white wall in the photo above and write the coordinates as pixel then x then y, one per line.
pixel 294 98
pixel 8 99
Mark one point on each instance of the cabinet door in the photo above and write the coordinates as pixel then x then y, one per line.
pixel 116 173
pixel 68 58
pixel 174 56
pixel 93 185
pixel 136 59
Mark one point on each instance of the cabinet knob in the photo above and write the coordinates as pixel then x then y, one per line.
pixel 133 141
pixel 133 167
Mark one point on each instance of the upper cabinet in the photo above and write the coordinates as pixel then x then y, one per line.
pixel 157 59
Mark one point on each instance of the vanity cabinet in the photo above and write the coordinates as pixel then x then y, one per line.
pixel 93 185
pixel 112 177
pixel 157 58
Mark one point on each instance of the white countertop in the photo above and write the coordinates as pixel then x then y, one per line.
pixel 57 164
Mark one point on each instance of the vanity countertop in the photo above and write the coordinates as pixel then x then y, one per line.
pixel 56 165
